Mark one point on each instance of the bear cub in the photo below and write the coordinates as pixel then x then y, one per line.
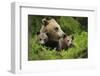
pixel 63 43
pixel 44 40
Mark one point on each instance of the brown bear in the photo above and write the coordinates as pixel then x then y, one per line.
pixel 52 29
pixel 51 35
pixel 65 42
pixel 42 38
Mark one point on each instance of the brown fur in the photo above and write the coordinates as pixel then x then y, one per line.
pixel 52 28
pixel 65 42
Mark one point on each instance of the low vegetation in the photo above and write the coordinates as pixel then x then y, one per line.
pixel 77 26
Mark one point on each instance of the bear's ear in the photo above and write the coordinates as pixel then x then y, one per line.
pixel 72 37
pixel 38 33
pixel 45 23
pixel 64 36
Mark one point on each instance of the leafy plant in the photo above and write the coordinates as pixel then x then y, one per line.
pixel 69 25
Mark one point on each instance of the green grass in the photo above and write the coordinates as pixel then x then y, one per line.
pixel 39 52
pixel 70 25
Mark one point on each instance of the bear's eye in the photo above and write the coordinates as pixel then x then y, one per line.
pixel 56 28
pixel 40 39
pixel 67 40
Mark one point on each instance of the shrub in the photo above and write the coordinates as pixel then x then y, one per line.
pixel 70 25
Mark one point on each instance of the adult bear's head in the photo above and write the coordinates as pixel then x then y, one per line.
pixel 52 29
